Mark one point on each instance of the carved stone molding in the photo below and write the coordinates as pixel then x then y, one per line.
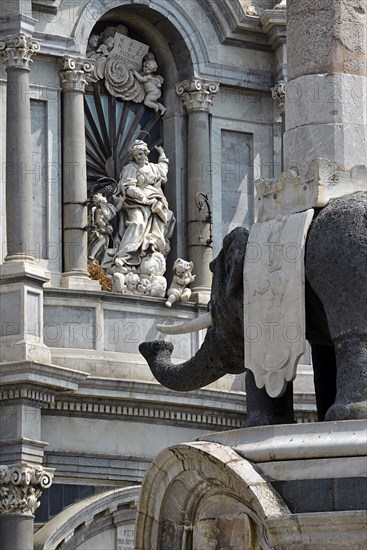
pixel 21 487
pixel 278 94
pixel 165 414
pixel 8 394
pixel 73 73
pixel 197 93
pixel 17 51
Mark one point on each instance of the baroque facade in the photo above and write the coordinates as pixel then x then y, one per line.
pixel 201 83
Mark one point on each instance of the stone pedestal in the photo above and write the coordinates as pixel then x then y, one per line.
pixel 197 95
pixel 75 243
pixel 21 312
pixel 287 487
pixel 326 94
pixel 325 153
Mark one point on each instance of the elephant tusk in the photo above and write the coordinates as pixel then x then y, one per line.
pixel 200 323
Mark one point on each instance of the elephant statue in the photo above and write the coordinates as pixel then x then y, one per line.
pixel 336 321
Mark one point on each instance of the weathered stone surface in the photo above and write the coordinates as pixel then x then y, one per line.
pixel 210 489
pixel 330 37
pixel 326 99
pixel 274 300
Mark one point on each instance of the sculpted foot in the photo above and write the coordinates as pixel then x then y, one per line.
pixel 348 411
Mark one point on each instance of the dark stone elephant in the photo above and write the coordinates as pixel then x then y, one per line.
pixel 336 321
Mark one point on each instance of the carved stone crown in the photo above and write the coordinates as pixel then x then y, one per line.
pixel 17 50
pixel 197 93
pixel 21 487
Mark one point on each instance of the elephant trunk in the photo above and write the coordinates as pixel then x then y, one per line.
pixel 207 365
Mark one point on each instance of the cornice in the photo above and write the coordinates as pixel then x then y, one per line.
pixel 239 24
pixel 46 6
pixel 38 377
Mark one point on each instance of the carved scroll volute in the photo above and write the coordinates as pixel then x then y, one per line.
pixel 17 51
pixel 197 93
pixel 21 487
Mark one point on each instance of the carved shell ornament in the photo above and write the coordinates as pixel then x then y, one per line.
pixel 126 67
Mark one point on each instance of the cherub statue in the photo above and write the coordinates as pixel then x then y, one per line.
pixel 181 278
pixel 101 213
pixel 132 280
pixel 152 84
pixel 151 269
pixel 93 43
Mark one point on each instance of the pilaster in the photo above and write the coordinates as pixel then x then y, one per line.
pixel 75 175
pixel 278 94
pixel 197 97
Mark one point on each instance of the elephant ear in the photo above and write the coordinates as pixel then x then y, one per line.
pixel 234 248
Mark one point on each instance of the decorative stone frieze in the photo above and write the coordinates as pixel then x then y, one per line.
pixel 73 74
pixel 21 487
pixel 17 51
pixel 278 94
pixel 197 93
pixel 26 393
pixel 162 413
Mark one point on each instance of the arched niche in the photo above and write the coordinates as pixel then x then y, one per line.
pixel 178 47
pixel 162 23
pixel 203 496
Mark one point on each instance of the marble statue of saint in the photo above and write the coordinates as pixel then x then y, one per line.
pixel 145 221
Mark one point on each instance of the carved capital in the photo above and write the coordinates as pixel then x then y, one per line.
pixel 197 93
pixel 73 73
pixel 21 487
pixel 278 94
pixel 17 51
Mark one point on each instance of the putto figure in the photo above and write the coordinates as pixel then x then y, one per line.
pixel 152 84
pixel 182 278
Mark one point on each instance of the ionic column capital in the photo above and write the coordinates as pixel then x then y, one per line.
pixel 17 51
pixel 197 93
pixel 21 487
pixel 278 94
pixel 73 73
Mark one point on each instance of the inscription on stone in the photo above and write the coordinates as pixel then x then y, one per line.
pixel 125 537
pixel 130 52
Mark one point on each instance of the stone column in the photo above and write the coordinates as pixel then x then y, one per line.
pixel 75 175
pixel 22 486
pixel 197 95
pixel 326 112
pixel 17 52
